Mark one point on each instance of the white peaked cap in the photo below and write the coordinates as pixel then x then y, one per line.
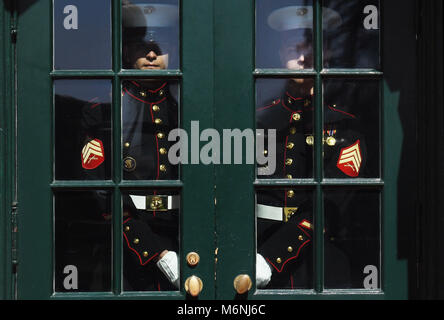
pixel 149 15
pixel 299 17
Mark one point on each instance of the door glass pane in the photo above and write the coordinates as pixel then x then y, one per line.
pixel 82 34
pixel 354 41
pixel 151 240
pixel 149 112
pixel 82 129
pixel 286 105
pixel 351 128
pixel 352 239
pixel 284 239
pixel 150 34
pixel 82 234
pixel 284 34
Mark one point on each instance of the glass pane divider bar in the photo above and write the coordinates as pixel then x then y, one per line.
pixel 117 214
pixel 117 206
pixel 326 183
pixel 151 73
pixel 325 73
pixel 318 212
pixel 88 184
pixel 283 73
pixel 82 74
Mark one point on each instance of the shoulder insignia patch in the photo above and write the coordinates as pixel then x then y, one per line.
pixel 350 160
pixel 93 154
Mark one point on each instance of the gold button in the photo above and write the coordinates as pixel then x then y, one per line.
pixel 145 254
pixel 290 145
pixel 331 141
pixel 309 140
pixel 156 108
pixel 265 152
pixel 162 168
pixel 278 260
pixel 296 116
pixel 290 193
pixel 136 241
pixel 289 162
pixel 127 228
pixel 292 130
pixel 161 93
pixel 158 121
pixel 127 144
pixel 162 151
pixel 289 176
pixel 290 101
pixel 301 238
pixel 142 93
pixel 160 135
pixel 290 249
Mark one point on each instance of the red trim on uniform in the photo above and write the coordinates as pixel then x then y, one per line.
pixel 291 281
pixel 138 255
pixel 95 105
pixel 154 91
pixel 271 105
pixel 337 110
pixel 305 232
pixel 288 109
pixel 136 97
pixel 293 97
pixel 135 83
pixel 301 224
pixel 285 154
pixel 158 286
pixel 126 220
pixel 157 142
pixel 146 102
pixel 294 257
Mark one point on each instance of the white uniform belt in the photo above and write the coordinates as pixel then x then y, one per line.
pixel 275 213
pixel 155 202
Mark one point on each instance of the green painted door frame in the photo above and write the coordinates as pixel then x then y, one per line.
pixel 218 85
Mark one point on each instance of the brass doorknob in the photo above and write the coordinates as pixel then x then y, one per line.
pixel 242 283
pixel 193 286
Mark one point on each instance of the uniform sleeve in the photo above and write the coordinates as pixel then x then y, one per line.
pixel 288 243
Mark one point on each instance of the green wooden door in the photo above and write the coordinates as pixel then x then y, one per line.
pixel 39 89
pixel 223 81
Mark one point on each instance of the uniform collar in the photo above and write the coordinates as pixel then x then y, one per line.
pixel 140 91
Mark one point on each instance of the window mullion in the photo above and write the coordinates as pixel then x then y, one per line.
pixel 117 158
pixel 318 217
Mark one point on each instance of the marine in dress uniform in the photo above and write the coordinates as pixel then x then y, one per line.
pixel 149 113
pixel 284 217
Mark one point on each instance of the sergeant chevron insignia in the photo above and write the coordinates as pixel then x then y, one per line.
pixel 92 154
pixel 350 160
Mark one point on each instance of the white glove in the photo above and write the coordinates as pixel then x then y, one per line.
pixel 170 267
pixel 263 272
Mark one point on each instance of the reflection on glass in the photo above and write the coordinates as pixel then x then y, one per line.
pixel 351 128
pixel 149 113
pixel 82 129
pixel 286 105
pixel 355 42
pixel 284 239
pixel 82 241
pixel 352 239
pixel 284 34
pixel 82 34
pixel 150 36
pixel 151 240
